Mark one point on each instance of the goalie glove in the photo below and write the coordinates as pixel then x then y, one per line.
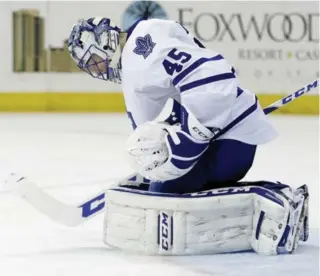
pixel 169 146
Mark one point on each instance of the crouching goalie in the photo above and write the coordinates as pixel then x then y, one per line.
pixel 195 136
pixel 269 218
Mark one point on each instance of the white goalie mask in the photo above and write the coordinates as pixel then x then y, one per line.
pixel 95 46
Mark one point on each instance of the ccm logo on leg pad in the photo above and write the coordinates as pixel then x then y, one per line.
pixel 165 231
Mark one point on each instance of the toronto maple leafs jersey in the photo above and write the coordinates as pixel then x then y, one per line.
pixel 161 60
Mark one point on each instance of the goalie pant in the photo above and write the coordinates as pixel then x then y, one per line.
pixel 224 163
pixel 216 221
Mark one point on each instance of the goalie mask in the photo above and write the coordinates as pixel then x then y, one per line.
pixel 94 45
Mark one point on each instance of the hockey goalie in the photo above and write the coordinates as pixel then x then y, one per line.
pixel 195 135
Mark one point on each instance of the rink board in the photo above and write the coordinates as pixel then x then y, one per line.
pixel 270 58
pixel 113 102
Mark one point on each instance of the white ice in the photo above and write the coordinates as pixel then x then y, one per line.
pixel 73 156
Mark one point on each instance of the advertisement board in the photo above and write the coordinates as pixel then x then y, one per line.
pixel 274 47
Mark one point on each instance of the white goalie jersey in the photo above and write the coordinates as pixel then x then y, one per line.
pixel 161 60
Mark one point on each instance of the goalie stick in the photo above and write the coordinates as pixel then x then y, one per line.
pixel 56 210
pixel 73 215
pixel 291 97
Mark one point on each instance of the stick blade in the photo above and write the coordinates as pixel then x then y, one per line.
pixel 43 202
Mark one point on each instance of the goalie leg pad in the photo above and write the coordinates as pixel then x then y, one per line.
pixel 215 221
pixel 164 224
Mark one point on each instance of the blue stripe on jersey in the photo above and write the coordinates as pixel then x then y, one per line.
pixel 193 67
pixel 239 91
pixel 242 116
pixel 204 81
pixel 133 123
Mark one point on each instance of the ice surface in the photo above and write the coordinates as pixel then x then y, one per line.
pixel 73 156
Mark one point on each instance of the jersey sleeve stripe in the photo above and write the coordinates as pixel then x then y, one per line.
pixel 239 91
pixel 241 117
pixel 193 67
pixel 207 80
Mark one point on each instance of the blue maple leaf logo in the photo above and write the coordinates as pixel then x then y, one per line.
pixel 144 45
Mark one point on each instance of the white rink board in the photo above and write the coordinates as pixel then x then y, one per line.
pixel 249 34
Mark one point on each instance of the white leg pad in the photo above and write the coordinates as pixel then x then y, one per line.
pixel 179 226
